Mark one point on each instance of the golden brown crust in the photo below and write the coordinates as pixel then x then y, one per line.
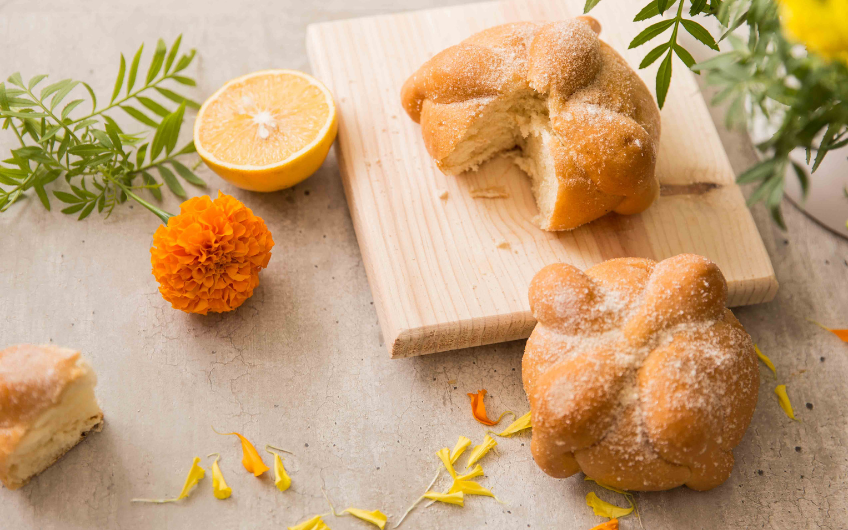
pixel 637 374
pixel 605 125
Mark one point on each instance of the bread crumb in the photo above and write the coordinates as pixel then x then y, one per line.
pixel 490 192
pixel 442 194
pixel 504 244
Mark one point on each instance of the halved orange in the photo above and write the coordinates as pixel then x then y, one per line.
pixel 268 130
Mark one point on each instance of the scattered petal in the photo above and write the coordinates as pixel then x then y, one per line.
pixel 481 450
pixel 517 426
pixel 469 487
pixel 476 472
pixel 841 333
pixel 612 524
pixel 606 487
pixel 478 408
pixel 783 398
pixel 444 456
pixel 281 478
pixel 377 518
pixel 194 475
pixel 449 498
pixel 316 523
pixel 763 357
pixel 605 509
pixel 461 445
pixel 251 459
pixel 219 485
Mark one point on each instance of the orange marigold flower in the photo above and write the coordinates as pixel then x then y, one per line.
pixel 209 256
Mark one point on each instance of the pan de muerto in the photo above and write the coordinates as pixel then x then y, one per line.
pixel 637 374
pixel 576 117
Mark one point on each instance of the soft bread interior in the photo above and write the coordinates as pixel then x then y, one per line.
pixel 519 126
pixel 57 430
pixel 536 160
pixel 500 128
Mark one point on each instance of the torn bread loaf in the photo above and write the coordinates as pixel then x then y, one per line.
pixel 47 406
pixel 577 118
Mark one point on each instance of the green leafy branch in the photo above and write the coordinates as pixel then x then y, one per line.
pixel 656 8
pixel 100 162
pixel 804 97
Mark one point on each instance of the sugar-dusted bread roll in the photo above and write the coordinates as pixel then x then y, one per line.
pixel 637 374
pixel 577 118
pixel 47 406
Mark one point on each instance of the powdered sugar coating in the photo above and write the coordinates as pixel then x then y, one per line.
pixel 496 90
pixel 637 374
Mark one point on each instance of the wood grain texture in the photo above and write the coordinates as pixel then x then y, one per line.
pixel 449 273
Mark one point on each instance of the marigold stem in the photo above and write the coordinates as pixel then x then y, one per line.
pixel 158 212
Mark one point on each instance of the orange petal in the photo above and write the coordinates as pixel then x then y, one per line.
pixel 478 408
pixel 250 459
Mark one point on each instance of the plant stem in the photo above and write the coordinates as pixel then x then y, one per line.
pixel 128 97
pixel 50 113
pixel 161 214
pixel 677 20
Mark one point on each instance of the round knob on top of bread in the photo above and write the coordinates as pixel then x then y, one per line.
pixel 637 373
pixel 574 115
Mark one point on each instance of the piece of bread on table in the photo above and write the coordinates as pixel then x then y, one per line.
pixel 637 374
pixel 47 406
pixel 577 118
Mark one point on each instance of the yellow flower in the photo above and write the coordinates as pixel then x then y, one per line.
pixel 518 425
pixel 783 398
pixel 448 498
pixel 822 25
pixel 209 256
pixel 281 478
pixel 461 445
pixel 219 485
pixel 481 450
pixel 377 518
pixel 605 509
pixel 316 523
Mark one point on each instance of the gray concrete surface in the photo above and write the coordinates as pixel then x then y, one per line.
pixel 302 364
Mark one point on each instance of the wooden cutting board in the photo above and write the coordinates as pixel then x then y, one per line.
pixel 452 273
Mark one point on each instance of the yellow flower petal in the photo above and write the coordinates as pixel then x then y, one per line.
pixel 469 487
pixel 219 485
pixel 476 472
pixel 194 475
pixel 517 426
pixel 822 25
pixel 250 459
pixel 461 445
pixel 765 360
pixel 481 450
pixel 606 487
pixel 783 398
pixel 841 333
pixel 605 509
pixel 449 498
pixel 281 478
pixel 377 518
pixel 444 455
pixel 316 523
